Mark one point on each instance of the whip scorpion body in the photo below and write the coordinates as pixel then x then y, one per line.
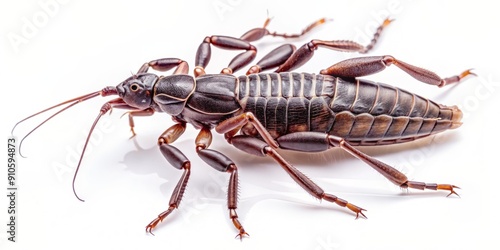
pixel 260 112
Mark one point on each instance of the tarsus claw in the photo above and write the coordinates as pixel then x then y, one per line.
pixel 357 210
pixel 149 229
pixel 467 73
pixel 453 191
pixel 241 235
pixel 362 214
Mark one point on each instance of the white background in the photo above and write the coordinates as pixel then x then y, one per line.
pixel 81 46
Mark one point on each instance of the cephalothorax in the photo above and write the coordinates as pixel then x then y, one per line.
pixel 260 112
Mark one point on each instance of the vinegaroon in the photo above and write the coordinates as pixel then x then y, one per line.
pixel 260 112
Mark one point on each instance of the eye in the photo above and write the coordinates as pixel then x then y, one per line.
pixel 134 87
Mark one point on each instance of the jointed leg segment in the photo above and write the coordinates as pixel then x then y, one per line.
pixel 305 141
pixel 177 159
pixel 222 163
pixel 311 187
pixel 286 58
pixel 164 64
pixel 134 113
pixel 214 158
pixel 237 122
pixel 243 43
pixel 314 142
pixel 257 147
pixel 362 66
pixel 387 171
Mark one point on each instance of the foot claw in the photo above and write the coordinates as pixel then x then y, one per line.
pixel 362 214
pixel 467 73
pixel 452 191
pixel 449 188
pixel 152 225
pixel 241 235
pixel 357 210
pixel 149 229
pixel 133 133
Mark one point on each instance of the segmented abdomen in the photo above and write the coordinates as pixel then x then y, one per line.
pixel 362 112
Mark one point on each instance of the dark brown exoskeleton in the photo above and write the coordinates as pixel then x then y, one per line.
pixel 260 112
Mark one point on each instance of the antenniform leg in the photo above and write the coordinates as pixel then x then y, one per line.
pixel 279 55
pixel 304 53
